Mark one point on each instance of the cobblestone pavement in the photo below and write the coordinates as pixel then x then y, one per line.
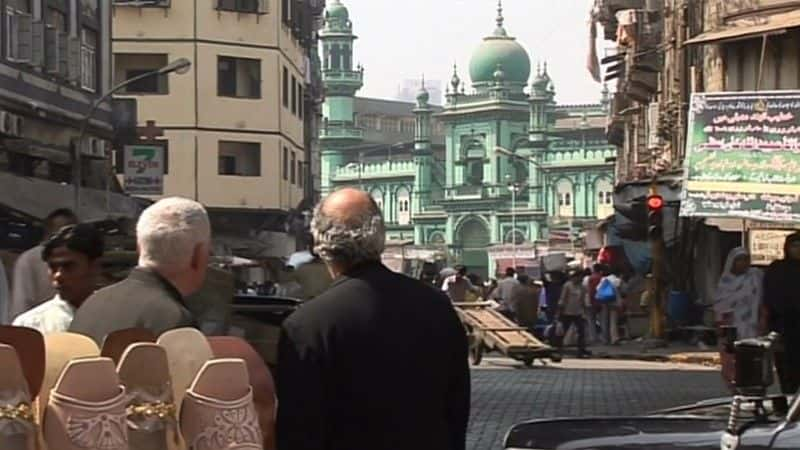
pixel 504 393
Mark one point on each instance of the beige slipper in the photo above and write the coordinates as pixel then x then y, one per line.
pixel 29 344
pixel 260 377
pixel 60 349
pixel 218 411
pixel 87 408
pixel 144 371
pixel 17 424
pixel 187 350
pixel 115 344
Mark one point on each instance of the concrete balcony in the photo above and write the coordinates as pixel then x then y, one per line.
pixel 373 171
pixel 341 132
pixel 590 156
pixel 355 77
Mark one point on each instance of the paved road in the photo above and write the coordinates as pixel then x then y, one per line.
pixel 504 393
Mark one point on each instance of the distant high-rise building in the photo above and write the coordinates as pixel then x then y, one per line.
pixel 408 89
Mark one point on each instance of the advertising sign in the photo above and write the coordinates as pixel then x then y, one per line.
pixel 743 156
pixel 767 245
pixel 144 169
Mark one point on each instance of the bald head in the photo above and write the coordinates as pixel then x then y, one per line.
pixel 348 229
pixel 349 205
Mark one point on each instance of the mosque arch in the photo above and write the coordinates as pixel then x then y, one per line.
pixel 565 195
pixel 403 196
pixel 604 197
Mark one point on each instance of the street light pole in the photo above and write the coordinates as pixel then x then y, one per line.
pixel 180 66
pixel 514 225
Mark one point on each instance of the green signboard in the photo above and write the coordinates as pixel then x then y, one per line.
pixel 743 156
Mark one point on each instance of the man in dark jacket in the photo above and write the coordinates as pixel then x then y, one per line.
pixel 782 304
pixel 174 238
pixel 378 361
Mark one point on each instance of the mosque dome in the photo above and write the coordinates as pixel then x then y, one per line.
pixel 336 10
pixel 499 49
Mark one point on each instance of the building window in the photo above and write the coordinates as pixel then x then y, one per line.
pixel 18 31
pixel 131 65
pixel 286 11
pixel 301 174
pixel 564 193
pixel 285 87
pixel 89 59
pixel 293 169
pixel 285 163
pixel 238 77
pixel 300 100
pixel 242 6
pixel 403 206
pixel 241 159
pixel 605 198
pixel 294 95
pixel 368 122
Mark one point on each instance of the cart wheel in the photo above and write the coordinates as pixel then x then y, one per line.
pixel 555 357
pixel 476 354
pixel 528 362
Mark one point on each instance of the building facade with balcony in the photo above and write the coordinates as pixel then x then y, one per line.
pixel 513 167
pixel 55 62
pixel 238 129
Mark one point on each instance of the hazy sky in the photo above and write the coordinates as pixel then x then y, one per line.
pixel 403 39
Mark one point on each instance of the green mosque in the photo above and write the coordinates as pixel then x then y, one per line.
pixel 509 170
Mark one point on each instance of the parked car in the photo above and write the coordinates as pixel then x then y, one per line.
pixel 748 421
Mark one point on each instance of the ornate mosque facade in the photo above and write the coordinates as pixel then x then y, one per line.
pixel 516 168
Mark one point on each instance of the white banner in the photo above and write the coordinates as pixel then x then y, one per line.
pixel 144 169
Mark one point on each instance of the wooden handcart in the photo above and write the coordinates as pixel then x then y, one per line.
pixel 489 330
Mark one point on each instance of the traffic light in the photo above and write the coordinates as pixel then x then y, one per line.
pixel 634 227
pixel 655 217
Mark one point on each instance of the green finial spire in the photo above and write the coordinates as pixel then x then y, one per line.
pixel 500 30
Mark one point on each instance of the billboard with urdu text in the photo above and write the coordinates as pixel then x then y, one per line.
pixel 743 156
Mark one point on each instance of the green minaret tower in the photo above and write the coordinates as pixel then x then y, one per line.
pixel 423 156
pixel 342 80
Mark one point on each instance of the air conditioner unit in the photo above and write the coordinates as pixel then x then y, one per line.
pixel 19 125
pixel 7 123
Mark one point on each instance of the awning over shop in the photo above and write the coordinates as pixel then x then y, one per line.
pixel 774 24
pixel 37 198
pixel 507 251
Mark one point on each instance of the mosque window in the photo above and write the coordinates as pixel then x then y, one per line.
pixel 565 199
pixel 403 206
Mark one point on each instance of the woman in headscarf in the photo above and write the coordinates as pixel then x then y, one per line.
pixel 782 302
pixel 739 296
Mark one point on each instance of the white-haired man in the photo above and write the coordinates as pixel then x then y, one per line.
pixel 379 360
pixel 174 238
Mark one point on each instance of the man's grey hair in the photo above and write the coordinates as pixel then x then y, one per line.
pixel 168 232
pixel 358 240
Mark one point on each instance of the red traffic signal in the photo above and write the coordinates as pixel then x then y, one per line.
pixel 655 202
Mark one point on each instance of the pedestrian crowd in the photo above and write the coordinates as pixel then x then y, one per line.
pixel 586 304
pixel 376 361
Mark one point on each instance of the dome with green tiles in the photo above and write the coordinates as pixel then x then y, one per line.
pixel 501 50
pixel 336 10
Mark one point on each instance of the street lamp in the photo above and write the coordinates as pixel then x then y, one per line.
pixel 515 188
pixel 179 66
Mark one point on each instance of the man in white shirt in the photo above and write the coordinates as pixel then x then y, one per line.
pixel 31 283
pixel 73 258
pixel 456 286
